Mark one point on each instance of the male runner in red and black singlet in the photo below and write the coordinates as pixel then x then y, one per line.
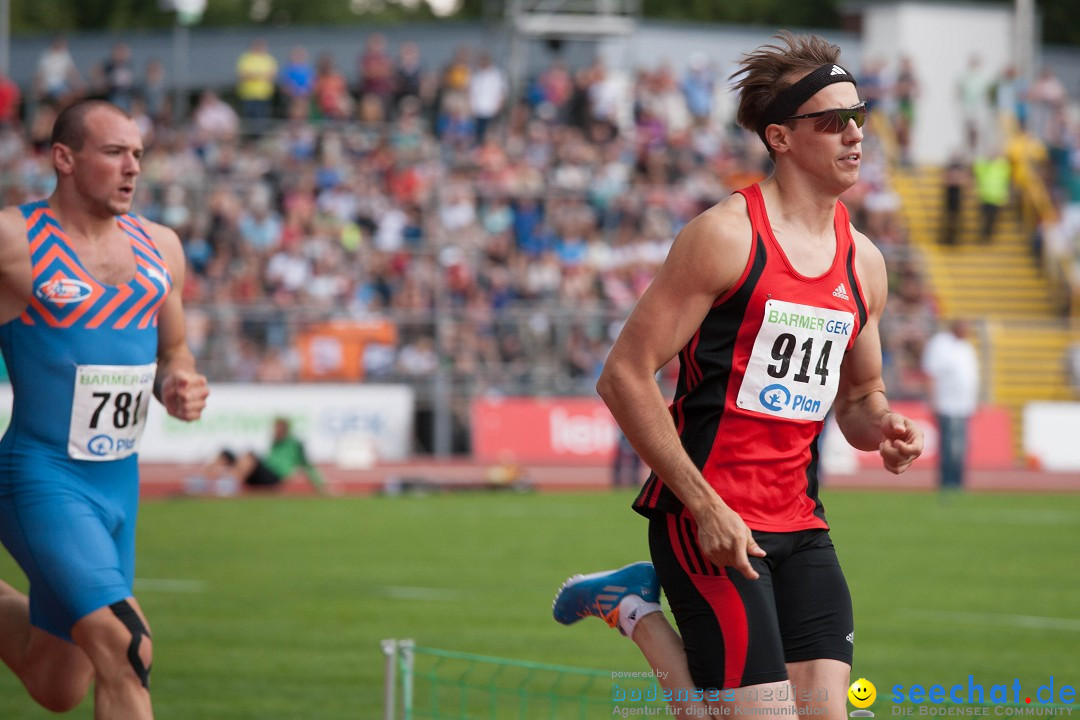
pixel 771 300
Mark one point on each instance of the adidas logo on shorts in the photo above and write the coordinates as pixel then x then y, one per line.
pixel 840 292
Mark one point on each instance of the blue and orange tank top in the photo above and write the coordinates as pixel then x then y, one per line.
pixel 758 378
pixel 82 355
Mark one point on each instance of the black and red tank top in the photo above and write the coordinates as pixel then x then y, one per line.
pixel 759 376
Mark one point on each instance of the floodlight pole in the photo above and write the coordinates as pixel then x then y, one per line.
pixel 1024 38
pixel 390 650
pixel 181 48
pixel 188 12
pixel 5 37
pixel 561 19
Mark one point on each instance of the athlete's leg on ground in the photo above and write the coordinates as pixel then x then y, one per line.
pixel 119 693
pixel 245 465
pixel 56 673
pixel 810 677
pixel 814 605
pixel 663 650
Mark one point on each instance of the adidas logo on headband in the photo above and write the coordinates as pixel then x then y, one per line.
pixel 837 70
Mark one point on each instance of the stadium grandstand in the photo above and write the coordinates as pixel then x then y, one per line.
pixel 379 224
pixel 422 241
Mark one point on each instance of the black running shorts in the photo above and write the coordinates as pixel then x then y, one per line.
pixel 740 632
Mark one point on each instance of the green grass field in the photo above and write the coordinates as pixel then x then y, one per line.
pixel 273 608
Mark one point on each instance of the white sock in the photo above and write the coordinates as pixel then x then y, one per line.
pixel 631 609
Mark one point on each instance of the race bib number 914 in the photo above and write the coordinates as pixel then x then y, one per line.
pixel 794 369
pixel 108 411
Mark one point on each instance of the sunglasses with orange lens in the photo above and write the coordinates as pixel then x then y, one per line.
pixel 834 120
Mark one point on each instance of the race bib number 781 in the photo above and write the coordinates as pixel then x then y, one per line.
pixel 794 369
pixel 108 411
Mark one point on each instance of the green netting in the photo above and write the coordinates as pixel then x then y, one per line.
pixel 449 685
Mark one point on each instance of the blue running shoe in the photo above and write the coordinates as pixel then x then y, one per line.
pixel 599 593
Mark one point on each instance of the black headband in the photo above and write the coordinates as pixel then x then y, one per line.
pixel 790 98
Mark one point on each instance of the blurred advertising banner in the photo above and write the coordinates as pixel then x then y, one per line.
pixel 543 430
pixel 1050 435
pixel 333 420
pixel 582 430
pixel 329 418
pixel 990 440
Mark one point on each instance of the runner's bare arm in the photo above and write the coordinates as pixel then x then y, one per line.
pixel 15 273
pixel 179 387
pixel 705 260
pixel 862 409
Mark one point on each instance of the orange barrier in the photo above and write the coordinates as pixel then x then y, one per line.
pixel 335 350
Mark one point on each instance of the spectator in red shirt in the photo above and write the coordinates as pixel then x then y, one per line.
pixel 10 97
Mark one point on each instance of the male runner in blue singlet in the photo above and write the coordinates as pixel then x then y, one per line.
pixel 91 325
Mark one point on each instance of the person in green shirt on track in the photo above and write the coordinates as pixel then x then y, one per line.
pixel 229 472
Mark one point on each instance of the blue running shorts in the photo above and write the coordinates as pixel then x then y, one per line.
pixel 70 525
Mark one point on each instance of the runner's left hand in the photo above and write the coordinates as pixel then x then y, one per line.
pixel 902 444
pixel 184 394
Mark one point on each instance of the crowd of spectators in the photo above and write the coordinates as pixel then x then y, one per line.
pixel 1020 147
pixel 503 231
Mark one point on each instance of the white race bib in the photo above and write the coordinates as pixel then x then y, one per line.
pixel 794 369
pixel 108 412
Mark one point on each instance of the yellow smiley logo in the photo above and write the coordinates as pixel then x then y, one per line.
pixel 862 693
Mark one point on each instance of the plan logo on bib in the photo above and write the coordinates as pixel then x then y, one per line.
pixel 771 397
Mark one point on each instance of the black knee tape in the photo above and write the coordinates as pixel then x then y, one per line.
pixel 134 624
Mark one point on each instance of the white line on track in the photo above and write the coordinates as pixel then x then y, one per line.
pixel 1019 517
pixel 169 585
pixel 405 592
pixel 1030 622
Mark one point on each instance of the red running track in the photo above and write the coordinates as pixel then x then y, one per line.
pixel 168 480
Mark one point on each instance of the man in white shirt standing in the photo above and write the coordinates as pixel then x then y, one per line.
pixel 950 362
pixel 487 95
